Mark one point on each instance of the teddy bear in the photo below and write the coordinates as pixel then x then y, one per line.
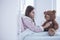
pixel 50 16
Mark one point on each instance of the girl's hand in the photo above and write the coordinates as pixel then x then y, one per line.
pixel 47 25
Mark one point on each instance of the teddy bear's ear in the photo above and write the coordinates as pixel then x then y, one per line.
pixel 45 12
pixel 54 11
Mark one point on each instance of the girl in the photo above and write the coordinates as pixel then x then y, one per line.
pixel 29 23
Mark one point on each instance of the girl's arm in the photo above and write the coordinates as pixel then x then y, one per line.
pixel 30 25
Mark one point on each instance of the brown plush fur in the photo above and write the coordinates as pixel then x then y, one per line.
pixel 52 15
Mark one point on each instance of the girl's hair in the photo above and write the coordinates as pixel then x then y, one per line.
pixel 28 10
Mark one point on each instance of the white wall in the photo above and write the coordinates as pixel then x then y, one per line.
pixel 8 19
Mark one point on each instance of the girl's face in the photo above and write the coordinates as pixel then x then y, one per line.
pixel 32 14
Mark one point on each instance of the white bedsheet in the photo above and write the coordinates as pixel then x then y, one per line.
pixel 22 35
pixel 42 36
pixel 29 35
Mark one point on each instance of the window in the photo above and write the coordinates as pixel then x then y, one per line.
pixel 24 4
pixel 58 7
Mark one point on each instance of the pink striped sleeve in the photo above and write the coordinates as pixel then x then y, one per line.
pixel 30 25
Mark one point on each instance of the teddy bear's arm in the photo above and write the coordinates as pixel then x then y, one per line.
pixel 56 26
